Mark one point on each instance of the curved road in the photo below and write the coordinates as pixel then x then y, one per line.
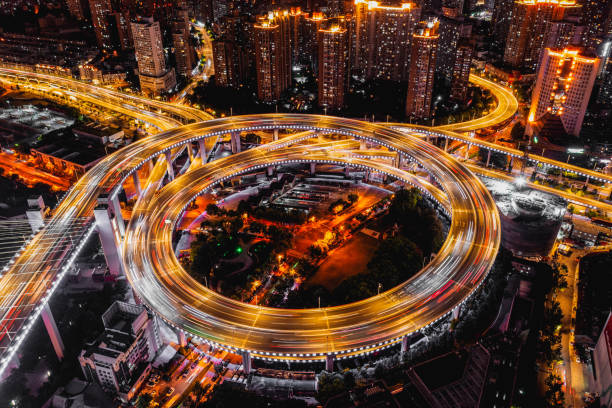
pixel 166 288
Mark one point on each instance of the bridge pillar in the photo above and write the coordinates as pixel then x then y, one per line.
pixel 36 213
pixel 202 148
pixel 329 363
pixel 275 135
pixel 362 144
pixel 467 151
pixel 136 181
pixel 54 334
pixel 151 166
pixel 347 172
pixel 115 206
pixel 511 163
pixel 456 312
pixel 247 362
pixel 488 158
pixel 446 144
pixel 169 165
pixel 405 344
pixel 235 142
pixel 270 171
pixel 190 152
pixel 108 237
pixel 313 168
pixel 182 338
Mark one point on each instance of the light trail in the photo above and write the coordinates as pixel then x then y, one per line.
pixel 308 334
pixel 357 328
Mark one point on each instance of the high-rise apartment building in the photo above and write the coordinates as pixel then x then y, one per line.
pixel 422 68
pixel 183 52
pixel 76 9
pixel 383 33
pixel 120 30
pixel 452 29
pixel 527 34
pixel 605 87
pixel 333 66
pixel 597 17
pixel 296 22
pixel 501 19
pixel 231 63
pixel 461 70
pixel 154 76
pixel 100 10
pixel 563 87
pixel 130 340
pixel 272 56
pixel 563 33
pixel 310 45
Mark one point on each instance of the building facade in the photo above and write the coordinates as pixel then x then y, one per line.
pixel 563 87
pixel 597 18
pixel 383 34
pixel 528 29
pixel 333 69
pixel 130 340
pixel 100 10
pixel 461 70
pixel 452 30
pixel 153 73
pixel 184 53
pixel 422 68
pixel 272 56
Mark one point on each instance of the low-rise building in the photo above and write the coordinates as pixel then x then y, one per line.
pixel 120 358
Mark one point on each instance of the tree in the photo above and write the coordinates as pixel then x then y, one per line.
pixel 555 397
pixel 202 257
pixel 213 209
pixel 349 380
pixel 23 148
pixel 144 400
pixel 352 198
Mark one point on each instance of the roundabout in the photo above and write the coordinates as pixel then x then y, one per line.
pixel 344 331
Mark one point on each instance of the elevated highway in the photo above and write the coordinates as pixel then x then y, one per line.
pixel 443 285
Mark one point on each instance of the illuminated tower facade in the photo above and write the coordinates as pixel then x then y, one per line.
pixel 100 10
pixel 312 24
pixel 527 34
pixel 231 63
pixel 75 8
pixel 154 76
pixel 501 19
pixel 184 53
pixel 461 70
pixel 422 68
pixel 383 33
pixel 452 30
pixel 272 56
pixel 296 21
pixel 563 33
pixel 563 88
pixel 597 17
pixel 333 70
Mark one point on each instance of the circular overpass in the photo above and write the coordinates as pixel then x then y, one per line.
pixel 307 334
